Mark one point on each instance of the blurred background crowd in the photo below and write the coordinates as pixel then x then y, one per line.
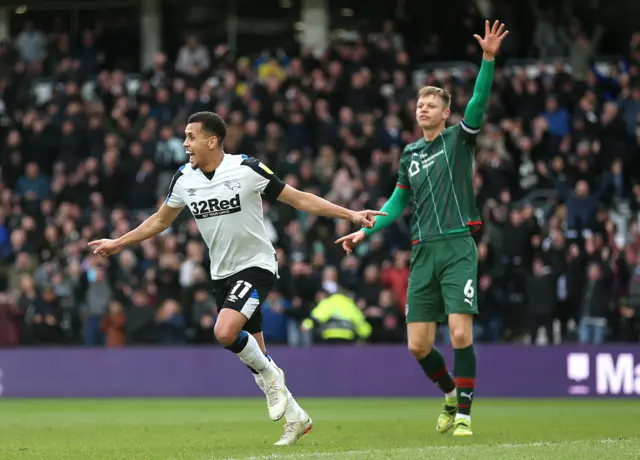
pixel 91 136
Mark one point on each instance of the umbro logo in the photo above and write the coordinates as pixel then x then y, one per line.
pixel 191 192
pixel 232 184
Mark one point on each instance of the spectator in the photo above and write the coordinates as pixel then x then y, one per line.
pixel 556 179
pixel 274 319
pixel 112 325
pixel 10 322
pixel 203 311
pixel 193 59
pixel 170 323
pixel 31 43
pixel 337 319
pixel 46 319
pixel 595 306
pixel 140 320
pixel 541 291
pixel 97 300
pixel 33 185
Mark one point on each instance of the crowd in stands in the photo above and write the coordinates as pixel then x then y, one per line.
pixel 557 181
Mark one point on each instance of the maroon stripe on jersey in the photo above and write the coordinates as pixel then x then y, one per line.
pixel 414 242
pixel 444 198
pixel 402 186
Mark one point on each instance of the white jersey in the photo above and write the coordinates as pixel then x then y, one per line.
pixel 227 206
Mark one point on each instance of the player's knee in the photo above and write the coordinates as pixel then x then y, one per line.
pixel 420 349
pixel 226 334
pixel 461 336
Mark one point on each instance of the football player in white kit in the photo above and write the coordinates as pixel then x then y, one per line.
pixel 224 193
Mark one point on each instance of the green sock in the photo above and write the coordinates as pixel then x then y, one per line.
pixel 435 368
pixel 464 368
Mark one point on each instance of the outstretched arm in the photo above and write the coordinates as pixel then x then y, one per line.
pixel 393 208
pixel 269 185
pixel 154 225
pixel 313 204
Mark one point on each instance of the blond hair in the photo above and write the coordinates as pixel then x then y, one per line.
pixel 443 94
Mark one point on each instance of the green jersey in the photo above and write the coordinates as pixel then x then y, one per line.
pixel 439 175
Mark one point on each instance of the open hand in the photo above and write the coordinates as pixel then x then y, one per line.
pixel 105 247
pixel 493 36
pixel 351 240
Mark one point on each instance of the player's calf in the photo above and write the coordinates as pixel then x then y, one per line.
pixel 421 337
pixel 464 368
pixel 429 357
pixel 435 369
pixel 246 347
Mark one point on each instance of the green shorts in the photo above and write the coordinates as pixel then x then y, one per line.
pixel 442 278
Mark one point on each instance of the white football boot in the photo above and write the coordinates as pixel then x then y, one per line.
pixel 277 395
pixel 294 431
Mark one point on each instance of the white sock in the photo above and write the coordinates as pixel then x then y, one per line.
pixel 451 394
pixel 253 357
pixel 259 381
pixel 465 417
pixel 294 412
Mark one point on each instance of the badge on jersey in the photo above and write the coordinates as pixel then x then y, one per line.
pixel 263 166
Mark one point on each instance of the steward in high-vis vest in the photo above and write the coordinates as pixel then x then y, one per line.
pixel 338 319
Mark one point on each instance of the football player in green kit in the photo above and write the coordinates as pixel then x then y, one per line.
pixel 435 176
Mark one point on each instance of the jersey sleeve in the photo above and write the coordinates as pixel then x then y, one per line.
pixel 174 196
pixel 264 180
pixel 474 113
pixel 403 174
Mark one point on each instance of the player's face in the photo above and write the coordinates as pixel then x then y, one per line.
pixel 431 112
pixel 198 144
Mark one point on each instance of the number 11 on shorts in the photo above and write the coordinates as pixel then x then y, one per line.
pixel 468 292
pixel 234 294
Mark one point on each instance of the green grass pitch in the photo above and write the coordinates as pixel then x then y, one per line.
pixel 386 429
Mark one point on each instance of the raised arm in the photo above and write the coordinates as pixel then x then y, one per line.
pixel 477 106
pixel 490 44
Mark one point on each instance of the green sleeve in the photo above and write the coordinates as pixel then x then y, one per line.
pixel 393 207
pixel 474 114
pixel 403 177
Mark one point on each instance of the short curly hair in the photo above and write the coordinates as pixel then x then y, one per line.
pixel 211 123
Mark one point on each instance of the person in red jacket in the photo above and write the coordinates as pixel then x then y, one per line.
pixel 10 322
pixel 396 278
